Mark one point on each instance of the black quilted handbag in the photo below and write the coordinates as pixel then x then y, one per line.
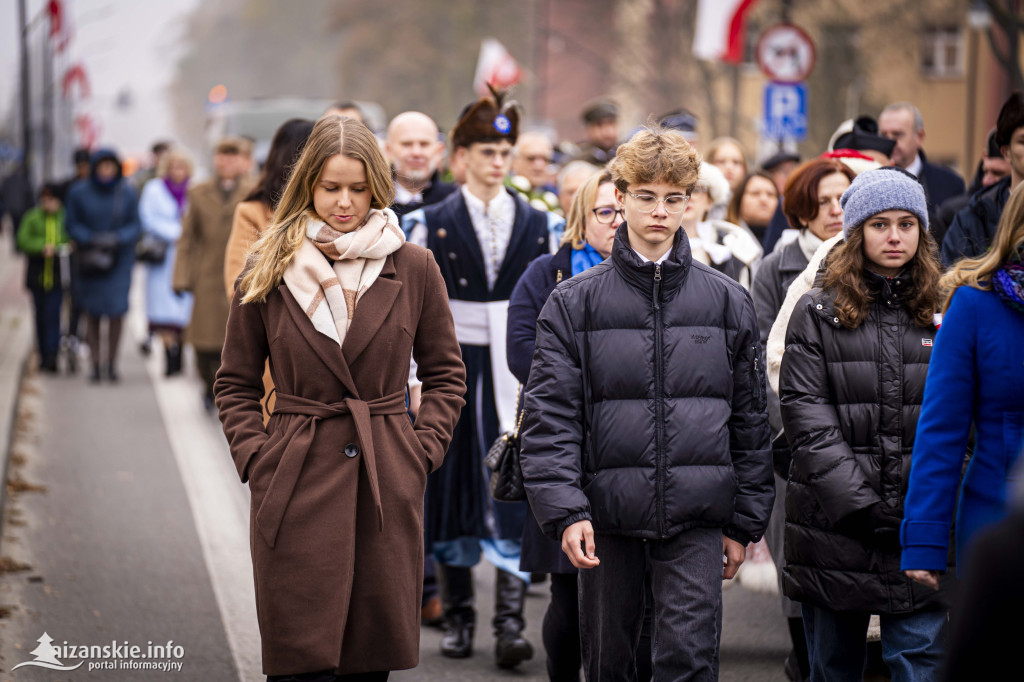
pixel 506 472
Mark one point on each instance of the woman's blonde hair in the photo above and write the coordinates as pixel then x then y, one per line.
pixel 170 156
pixel 576 222
pixel 332 135
pixel 1008 244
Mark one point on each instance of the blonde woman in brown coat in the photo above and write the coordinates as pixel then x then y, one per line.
pixel 338 302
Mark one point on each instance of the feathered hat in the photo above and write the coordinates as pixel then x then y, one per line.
pixel 489 119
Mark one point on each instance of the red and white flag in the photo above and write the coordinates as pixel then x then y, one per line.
pixel 720 29
pixel 495 66
pixel 60 27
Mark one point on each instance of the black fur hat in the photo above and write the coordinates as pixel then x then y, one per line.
pixel 489 119
pixel 1011 117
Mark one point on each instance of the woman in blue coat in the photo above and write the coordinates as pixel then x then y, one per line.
pixel 976 376
pixel 102 213
pixel 160 209
pixel 587 240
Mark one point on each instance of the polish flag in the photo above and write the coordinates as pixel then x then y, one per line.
pixel 495 66
pixel 720 29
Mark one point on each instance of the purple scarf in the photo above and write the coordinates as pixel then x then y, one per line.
pixel 178 190
pixel 1008 282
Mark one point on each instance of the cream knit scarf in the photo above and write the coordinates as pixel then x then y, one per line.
pixel 328 289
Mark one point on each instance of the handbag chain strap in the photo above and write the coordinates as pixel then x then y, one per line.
pixel 519 413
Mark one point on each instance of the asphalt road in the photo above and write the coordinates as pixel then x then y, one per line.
pixel 139 534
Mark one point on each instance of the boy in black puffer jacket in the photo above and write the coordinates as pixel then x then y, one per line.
pixel 646 434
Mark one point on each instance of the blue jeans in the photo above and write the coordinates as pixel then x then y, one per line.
pixel 912 645
pixel 686 583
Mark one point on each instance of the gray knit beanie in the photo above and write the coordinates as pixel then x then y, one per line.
pixel 879 190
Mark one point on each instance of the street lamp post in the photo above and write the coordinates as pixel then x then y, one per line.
pixel 26 94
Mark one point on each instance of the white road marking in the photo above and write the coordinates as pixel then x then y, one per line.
pixel 219 502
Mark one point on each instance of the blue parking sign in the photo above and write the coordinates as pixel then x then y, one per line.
pixel 785 111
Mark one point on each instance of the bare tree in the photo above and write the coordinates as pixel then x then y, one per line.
pixel 1004 37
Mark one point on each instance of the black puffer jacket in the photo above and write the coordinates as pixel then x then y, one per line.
pixel 850 403
pixel 645 409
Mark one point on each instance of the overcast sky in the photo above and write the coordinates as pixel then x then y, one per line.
pixel 126 46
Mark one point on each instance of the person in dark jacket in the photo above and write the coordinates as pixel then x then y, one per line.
pixel 587 240
pixel 41 236
pixel 103 213
pixel 991 168
pixel 902 123
pixel 414 149
pixel 811 205
pixel 973 385
pixel 645 437
pixel 974 227
pixel 851 385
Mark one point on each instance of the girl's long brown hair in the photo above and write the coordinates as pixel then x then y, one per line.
pixel 844 274
pixel 1009 241
pixel 332 135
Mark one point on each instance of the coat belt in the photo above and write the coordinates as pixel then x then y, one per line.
pixel 282 486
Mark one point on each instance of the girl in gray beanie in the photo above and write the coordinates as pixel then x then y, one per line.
pixel 852 379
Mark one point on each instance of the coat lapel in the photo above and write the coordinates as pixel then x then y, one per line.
pixel 325 348
pixel 371 311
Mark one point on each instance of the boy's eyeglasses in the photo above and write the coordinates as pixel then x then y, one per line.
pixel 674 203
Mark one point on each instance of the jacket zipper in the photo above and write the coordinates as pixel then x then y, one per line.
pixel 659 403
pixel 757 384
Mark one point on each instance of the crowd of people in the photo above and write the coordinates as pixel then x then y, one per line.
pixel 696 358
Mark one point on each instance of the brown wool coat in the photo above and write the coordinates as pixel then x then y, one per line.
pixel 199 265
pixel 339 576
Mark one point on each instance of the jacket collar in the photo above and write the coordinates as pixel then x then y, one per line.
pixel 792 258
pixel 641 275
pixel 892 291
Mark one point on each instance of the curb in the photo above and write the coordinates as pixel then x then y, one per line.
pixel 15 349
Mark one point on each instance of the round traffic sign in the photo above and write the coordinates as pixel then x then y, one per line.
pixel 785 53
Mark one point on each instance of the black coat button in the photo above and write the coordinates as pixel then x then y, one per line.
pixel 351 450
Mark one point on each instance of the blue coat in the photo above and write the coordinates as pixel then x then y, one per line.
pixel 160 215
pixel 89 212
pixel 976 375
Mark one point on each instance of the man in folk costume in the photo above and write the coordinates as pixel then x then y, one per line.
pixel 483 237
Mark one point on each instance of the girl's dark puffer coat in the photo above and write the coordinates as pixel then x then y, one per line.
pixel 850 403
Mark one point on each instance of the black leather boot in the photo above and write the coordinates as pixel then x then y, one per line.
pixel 456 585
pixel 510 648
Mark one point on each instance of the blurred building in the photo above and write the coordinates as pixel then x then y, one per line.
pixel 934 53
